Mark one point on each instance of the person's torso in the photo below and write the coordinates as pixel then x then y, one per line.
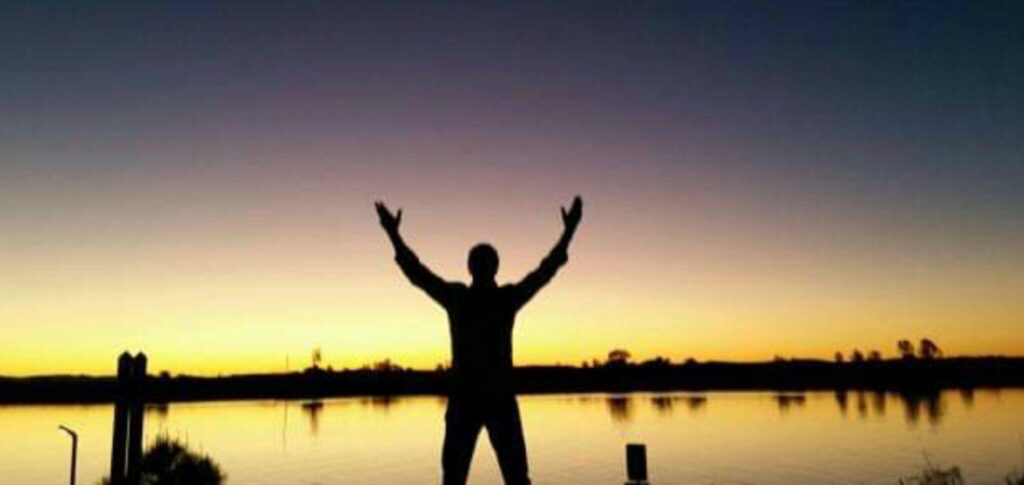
pixel 480 323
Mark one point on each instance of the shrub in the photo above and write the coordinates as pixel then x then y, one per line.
pixel 170 462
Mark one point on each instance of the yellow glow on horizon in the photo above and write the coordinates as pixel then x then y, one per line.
pixel 210 279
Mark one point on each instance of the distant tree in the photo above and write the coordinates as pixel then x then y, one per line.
pixel 585 365
pixel 386 365
pixel 657 362
pixel 619 357
pixel 839 357
pixel 317 357
pixel 856 356
pixel 691 361
pixel 874 356
pixel 927 350
pixel 906 349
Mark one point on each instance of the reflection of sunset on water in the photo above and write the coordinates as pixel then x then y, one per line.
pixel 690 437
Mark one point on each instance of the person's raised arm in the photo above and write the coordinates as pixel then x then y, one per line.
pixel 558 256
pixel 418 274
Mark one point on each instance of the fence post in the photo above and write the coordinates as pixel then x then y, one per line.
pixel 118 449
pixel 636 464
pixel 135 424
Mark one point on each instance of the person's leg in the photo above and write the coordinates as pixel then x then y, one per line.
pixel 505 430
pixel 462 425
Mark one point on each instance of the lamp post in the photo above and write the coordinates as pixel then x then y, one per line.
pixel 74 449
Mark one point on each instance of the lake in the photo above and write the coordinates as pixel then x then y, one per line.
pixel 714 437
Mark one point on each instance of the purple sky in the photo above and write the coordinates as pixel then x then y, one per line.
pixel 760 178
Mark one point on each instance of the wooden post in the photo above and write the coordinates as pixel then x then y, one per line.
pixel 636 464
pixel 136 422
pixel 118 449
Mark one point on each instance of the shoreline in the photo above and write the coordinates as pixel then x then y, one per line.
pixel 910 377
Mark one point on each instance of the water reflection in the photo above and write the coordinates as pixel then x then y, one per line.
pixel 664 404
pixel 574 438
pixel 787 401
pixel 312 410
pixel 842 401
pixel 695 403
pixel 967 396
pixel 380 403
pixel 159 410
pixel 620 407
pixel 930 403
pixel 862 405
pixel 915 404
pixel 878 403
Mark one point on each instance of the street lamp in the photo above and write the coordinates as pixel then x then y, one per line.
pixel 74 449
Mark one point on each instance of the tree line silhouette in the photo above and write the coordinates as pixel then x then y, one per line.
pixel 927 349
pixel 617 375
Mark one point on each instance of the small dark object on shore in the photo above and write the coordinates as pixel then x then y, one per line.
pixel 170 462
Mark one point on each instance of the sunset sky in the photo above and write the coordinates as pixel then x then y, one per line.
pixel 197 181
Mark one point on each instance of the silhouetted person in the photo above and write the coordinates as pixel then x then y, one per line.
pixel 480 321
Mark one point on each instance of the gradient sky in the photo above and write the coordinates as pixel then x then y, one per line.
pixel 761 178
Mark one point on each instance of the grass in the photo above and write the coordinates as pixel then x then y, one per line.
pixel 933 474
pixel 168 461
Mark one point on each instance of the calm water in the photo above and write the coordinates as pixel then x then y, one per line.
pixel 746 437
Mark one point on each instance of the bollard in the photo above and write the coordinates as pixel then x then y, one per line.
pixel 135 423
pixel 118 449
pixel 129 403
pixel 636 464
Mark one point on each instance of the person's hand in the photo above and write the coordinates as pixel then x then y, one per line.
pixel 571 218
pixel 388 220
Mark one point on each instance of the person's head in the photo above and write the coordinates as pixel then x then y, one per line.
pixel 483 263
